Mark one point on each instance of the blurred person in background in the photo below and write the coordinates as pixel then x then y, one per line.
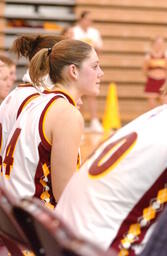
pixel 12 69
pixel 4 81
pixel 84 31
pixel 155 70
pixel 67 32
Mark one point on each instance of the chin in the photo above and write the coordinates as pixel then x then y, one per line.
pixel 94 92
pixel 97 92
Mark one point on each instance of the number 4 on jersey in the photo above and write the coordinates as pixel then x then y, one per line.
pixel 8 161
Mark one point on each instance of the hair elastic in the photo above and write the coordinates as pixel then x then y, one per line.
pixel 49 51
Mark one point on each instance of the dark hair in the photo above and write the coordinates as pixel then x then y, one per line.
pixel 64 53
pixel 7 61
pixel 83 14
pixel 65 30
pixel 28 45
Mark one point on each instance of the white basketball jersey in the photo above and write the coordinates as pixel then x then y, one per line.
pixel 91 36
pixel 26 159
pixel 11 107
pixel 120 190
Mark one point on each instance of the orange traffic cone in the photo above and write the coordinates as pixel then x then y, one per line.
pixel 111 118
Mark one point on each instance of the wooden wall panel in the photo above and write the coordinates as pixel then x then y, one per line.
pixel 129 109
pixel 121 60
pixel 125 45
pixel 128 3
pixel 126 15
pixel 138 31
pixel 2 42
pixel 121 75
pixel 127 28
pixel 2 24
pixel 125 91
pixel 2 8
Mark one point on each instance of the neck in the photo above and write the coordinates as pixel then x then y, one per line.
pixel 158 53
pixel 71 91
pixel 85 28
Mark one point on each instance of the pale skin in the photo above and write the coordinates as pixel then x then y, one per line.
pixel 4 82
pixel 65 137
pixel 12 77
pixel 8 77
pixel 64 123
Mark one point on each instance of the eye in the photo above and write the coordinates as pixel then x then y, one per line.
pixel 95 66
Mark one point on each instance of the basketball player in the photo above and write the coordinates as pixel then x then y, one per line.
pixel 42 149
pixel 118 193
pixel 26 46
pixel 12 69
pixel 4 80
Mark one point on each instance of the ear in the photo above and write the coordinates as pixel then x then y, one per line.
pixel 73 71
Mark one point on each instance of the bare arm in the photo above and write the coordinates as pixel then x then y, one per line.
pixel 66 132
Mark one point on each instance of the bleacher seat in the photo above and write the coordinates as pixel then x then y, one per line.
pixel 11 234
pixel 51 236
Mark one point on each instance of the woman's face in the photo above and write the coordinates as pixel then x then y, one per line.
pixel 90 75
pixel 4 82
pixel 159 45
pixel 12 73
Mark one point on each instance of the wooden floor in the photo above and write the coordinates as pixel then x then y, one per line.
pixel 89 143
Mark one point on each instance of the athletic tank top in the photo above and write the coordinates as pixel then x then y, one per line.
pixel 121 189
pixel 25 168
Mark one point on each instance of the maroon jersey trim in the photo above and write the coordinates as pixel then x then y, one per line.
pixel 25 102
pixel 136 213
pixel 25 85
pixel 63 93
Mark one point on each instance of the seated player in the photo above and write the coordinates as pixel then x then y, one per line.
pixel 118 193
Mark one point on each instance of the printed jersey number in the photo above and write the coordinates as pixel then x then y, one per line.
pixel 8 160
pixel 111 155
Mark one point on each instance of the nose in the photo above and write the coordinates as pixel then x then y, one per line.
pixel 101 73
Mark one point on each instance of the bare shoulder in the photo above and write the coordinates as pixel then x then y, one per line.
pixel 69 110
pixel 64 113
